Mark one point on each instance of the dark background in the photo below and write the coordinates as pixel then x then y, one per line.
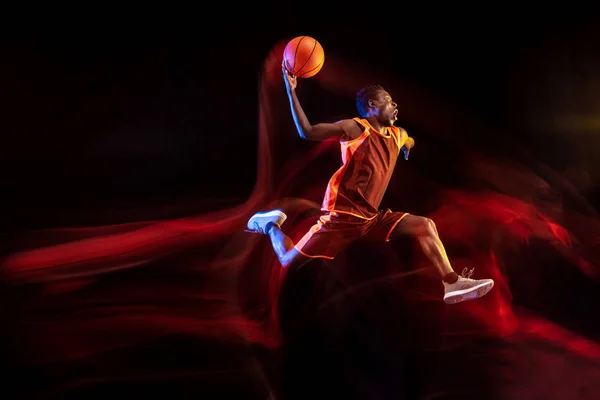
pixel 115 121
pixel 106 112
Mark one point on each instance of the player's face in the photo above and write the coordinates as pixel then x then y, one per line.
pixel 387 109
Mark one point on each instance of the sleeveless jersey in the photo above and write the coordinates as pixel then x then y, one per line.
pixel 358 186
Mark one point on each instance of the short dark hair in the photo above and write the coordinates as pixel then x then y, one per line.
pixel 364 95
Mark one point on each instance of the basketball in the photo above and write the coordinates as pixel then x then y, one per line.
pixel 303 56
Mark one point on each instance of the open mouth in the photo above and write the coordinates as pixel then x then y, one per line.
pixel 395 114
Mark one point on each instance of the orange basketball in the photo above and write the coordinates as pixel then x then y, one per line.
pixel 303 56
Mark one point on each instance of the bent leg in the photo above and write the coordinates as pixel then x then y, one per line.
pixel 269 223
pixel 324 240
pixel 426 233
pixel 284 248
pixel 456 288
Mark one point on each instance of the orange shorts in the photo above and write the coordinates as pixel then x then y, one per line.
pixel 333 232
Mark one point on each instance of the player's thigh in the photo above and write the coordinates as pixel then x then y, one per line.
pixel 382 227
pixel 326 240
pixel 413 225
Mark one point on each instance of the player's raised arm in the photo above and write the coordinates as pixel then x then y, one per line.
pixel 305 129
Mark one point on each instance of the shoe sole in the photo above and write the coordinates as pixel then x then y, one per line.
pixel 268 214
pixel 472 293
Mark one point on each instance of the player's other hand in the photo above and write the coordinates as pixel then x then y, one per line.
pixel 290 80
pixel 410 142
pixel 405 151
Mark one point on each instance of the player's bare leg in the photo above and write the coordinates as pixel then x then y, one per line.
pixel 457 288
pixel 269 223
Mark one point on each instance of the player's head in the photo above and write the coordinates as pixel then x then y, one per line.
pixel 373 100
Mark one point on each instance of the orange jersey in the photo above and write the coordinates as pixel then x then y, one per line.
pixel 368 163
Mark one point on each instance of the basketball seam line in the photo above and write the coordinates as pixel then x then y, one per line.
pixel 307 58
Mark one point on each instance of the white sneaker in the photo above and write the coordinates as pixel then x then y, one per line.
pixel 466 288
pixel 259 221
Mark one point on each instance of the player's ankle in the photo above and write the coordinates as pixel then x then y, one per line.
pixel 268 227
pixel 450 277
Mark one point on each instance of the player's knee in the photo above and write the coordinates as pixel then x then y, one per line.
pixel 428 227
pixel 288 260
pixel 293 259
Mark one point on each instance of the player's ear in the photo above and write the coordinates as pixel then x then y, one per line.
pixel 371 103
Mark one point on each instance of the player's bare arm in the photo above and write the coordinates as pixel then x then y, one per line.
pixel 343 129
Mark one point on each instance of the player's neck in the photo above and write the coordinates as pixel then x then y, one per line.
pixel 376 124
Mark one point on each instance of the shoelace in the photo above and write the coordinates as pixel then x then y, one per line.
pixel 466 273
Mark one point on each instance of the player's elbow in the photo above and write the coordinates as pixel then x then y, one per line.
pixel 306 134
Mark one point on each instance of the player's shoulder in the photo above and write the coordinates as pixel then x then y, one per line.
pixel 400 132
pixel 399 129
pixel 352 128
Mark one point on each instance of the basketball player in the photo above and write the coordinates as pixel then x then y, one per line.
pixel 370 145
